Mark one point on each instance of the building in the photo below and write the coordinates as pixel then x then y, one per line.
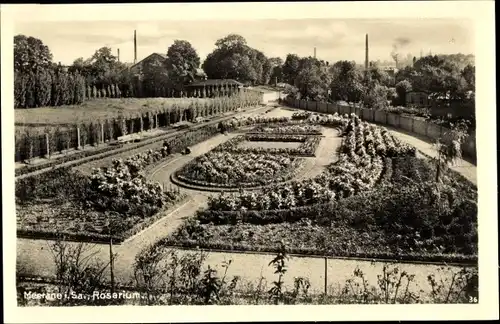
pixel 417 99
pixel 139 66
pixel 211 87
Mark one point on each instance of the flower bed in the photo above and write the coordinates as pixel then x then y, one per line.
pixel 358 169
pixel 287 128
pixel 235 170
pixel 402 218
pixel 116 201
pixel 308 145
pixel 71 222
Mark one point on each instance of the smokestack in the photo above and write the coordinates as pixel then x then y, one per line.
pixel 366 52
pixel 118 55
pixel 315 52
pixel 135 47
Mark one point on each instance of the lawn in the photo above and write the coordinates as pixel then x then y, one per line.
pixel 93 110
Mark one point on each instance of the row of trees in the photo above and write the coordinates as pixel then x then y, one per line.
pixel 451 76
pixel 314 79
pixel 47 87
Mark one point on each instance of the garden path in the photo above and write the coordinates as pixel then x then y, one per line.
pixel 465 168
pixel 249 266
pixel 325 154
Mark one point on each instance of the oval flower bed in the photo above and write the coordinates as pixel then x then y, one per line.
pixel 299 129
pixel 308 146
pixel 238 170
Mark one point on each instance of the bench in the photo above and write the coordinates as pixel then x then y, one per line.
pixel 129 138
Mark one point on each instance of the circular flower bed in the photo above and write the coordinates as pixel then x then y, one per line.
pixel 239 170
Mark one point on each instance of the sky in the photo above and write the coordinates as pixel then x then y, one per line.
pixel 334 39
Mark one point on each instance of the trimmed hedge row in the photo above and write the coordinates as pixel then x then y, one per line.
pixel 309 252
pixel 114 149
pixel 308 146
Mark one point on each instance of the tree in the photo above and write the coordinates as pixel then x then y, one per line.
pixel 291 68
pixel 402 88
pixel 313 79
pixel 380 76
pixel 469 74
pixel 30 54
pixel 276 69
pixel 449 147
pixel 234 59
pixel 181 63
pixel 347 84
pixel 153 79
pixel 376 97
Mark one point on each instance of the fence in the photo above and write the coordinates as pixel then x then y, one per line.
pixel 413 125
pixel 29 145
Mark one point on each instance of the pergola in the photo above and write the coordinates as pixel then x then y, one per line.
pixel 212 87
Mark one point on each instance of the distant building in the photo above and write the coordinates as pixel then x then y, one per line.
pixel 417 99
pixel 139 66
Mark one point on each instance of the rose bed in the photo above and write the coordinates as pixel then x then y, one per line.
pixel 239 170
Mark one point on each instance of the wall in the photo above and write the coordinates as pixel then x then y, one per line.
pixel 455 109
pixel 413 125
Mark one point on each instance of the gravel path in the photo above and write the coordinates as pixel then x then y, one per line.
pixel 249 266
pixel 465 168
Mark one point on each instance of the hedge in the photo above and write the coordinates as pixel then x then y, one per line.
pixel 312 252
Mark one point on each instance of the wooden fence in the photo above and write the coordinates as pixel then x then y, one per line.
pixel 62 139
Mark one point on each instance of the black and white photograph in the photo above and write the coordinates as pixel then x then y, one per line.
pixel 278 155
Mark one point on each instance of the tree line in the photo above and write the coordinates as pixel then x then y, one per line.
pixel 39 81
pixel 441 75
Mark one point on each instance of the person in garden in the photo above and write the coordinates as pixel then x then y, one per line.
pixel 167 147
pixel 222 127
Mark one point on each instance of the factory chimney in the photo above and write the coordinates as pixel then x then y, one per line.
pixel 135 47
pixel 366 52
pixel 118 50
pixel 315 52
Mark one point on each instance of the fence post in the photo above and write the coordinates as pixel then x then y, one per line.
pixel 373 114
pixel 47 145
pixel 326 275
pixel 102 132
pixel 156 120
pixel 413 125
pixel 78 144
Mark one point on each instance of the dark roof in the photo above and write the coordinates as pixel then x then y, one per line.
pixel 136 64
pixel 212 82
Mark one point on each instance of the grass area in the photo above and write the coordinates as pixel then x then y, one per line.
pixel 93 110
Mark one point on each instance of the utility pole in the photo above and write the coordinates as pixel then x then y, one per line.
pixel 111 265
